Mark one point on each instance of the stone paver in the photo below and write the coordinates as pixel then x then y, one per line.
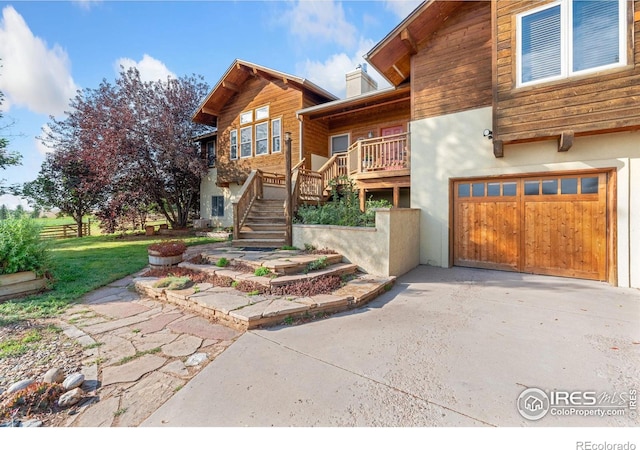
pixel 183 346
pixel 114 325
pixel 114 348
pixel 142 399
pixel 131 371
pixel 119 310
pixel 99 414
pixel 279 307
pixel 158 322
pixel 175 368
pixel 198 326
pixel 146 342
pixel 222 301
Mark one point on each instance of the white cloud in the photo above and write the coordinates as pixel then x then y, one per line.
pixel 402 8
pixel 33 75
pixel 150 69
pixel 321 19
pixel 86 4
pixel 43 149
pixel 330 74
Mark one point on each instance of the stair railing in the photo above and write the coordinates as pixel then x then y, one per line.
pixel 251 190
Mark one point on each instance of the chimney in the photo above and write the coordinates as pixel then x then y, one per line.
pixel 360 82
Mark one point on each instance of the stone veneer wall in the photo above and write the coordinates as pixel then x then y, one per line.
pixel 392 247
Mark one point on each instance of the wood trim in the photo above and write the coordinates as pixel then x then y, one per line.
pixel 494 78
pixel 550 174
pixel 451 216
pixel 612 226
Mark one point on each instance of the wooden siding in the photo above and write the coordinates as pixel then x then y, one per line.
pixel 283 101
pixel 452 70
pixel 604 101
pixel 554 233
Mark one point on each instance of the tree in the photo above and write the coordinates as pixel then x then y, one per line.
pixel 156 157
pixel 7 158
pixel 4 212
pixel 124 149
pixel 18 212
pixel 66 182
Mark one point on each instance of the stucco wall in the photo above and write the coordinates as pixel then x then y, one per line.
pixel 453 146
pixel 389 248
pixel 208 189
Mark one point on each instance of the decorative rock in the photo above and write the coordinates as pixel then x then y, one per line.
pixel 20 385
pixel 31 423
pixel 196 359
pixel 70 398
pixel 73 381
pixel 54 375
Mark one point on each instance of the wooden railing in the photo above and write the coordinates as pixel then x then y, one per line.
pixel 251 190
pixel 310 186
pixel 381 153
pixel 65 231
pixel 275 179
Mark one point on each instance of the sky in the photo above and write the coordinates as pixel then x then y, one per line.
pixel 50 49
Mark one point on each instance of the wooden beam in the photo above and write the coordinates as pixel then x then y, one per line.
pixel 403 76
pixel 363 199
pixel 498 148
pixel 636 16
pixel 209 111
pixel 566 141
pixel 408 41
pixel 396 196
pixel 231 86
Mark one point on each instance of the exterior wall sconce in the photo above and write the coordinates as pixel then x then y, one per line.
pixel 488 133
pixel 370 135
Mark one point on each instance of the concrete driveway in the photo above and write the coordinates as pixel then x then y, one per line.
pixel 443 348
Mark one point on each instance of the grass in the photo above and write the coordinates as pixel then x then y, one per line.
pixel 262 272
pixel 127 359
pixel 81 265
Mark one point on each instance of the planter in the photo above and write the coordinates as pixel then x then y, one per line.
pixel 157 260
pixel 150 230
pixel 18 284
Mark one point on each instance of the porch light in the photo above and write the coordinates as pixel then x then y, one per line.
pixel 370 135
pixel 287 135
pixel 487 133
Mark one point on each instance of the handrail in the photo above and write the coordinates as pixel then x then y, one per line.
pixel 299 164
pixel 251 189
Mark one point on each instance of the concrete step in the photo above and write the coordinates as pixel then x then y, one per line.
pixel 258 243
pixel 262 234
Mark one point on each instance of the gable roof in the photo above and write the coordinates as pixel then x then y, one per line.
pixel 232 81
pixel 392 55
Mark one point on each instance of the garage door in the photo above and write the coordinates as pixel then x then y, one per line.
pixel 553 225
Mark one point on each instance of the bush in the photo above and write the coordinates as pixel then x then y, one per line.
pixel 21 248
pixel 343 208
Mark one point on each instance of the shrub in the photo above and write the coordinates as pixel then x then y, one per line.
pixel 21 248
pixel 261 272
pixel 173 283
pixel 317 264
pixel 222 262
pixel 343 208
pixel 168 248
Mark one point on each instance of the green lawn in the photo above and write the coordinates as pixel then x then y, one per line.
pixel 80 265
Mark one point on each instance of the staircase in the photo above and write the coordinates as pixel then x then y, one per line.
pixel 264 226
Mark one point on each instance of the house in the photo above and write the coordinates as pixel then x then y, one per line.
pixel 251 107
pixel 524 133
pixel 364 137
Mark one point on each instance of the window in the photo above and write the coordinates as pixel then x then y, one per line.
pixel 570 37
pixel 246 117
pixel 217 206
pixel 211 153
pixel 233 147
pixel 262 138
pixel 275 135
pixel 246 138
pixel 339 143
pixel 262 113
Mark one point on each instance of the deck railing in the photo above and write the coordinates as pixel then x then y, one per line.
pixel 251 190
pixel 381 153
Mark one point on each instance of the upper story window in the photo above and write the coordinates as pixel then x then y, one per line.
pixel 262 138
pixel 276 125
pixel 233 144
pixel 211 153
pixel 246 142
pixel 570 37
pixel 262 113
pixel 246 117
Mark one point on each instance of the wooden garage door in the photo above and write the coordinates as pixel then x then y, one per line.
pixel 554 225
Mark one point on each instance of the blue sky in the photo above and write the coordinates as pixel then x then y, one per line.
pixel 48 49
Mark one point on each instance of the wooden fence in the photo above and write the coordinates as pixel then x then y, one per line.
pixel 65 231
